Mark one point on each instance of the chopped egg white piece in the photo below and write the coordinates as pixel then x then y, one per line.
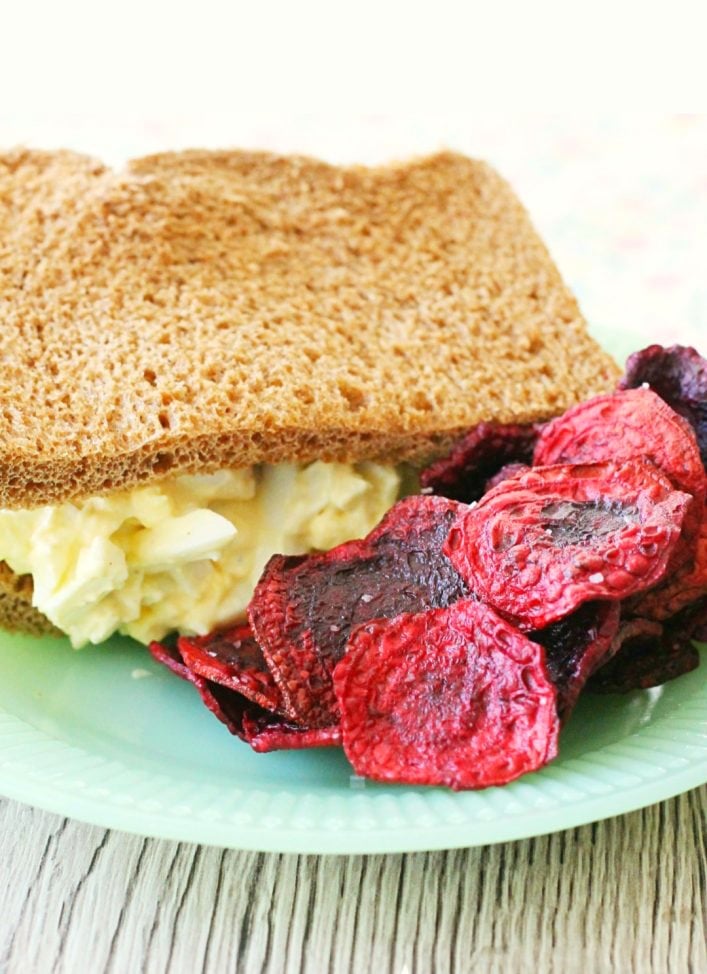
pixel 185 553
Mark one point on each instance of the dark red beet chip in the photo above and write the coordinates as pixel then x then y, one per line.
pixel 691 620
pixel 700 633
pixel 698 621
pixel 649 654
pixel 451 696
pixel 634 628
pixel 576 646
pixel 540 544
pixel 228 706
pixel 232 658
pixel 505 473
pixel 264 731
pixel 305 607
pixel 264 735
pixel 170 657
pixel 478 457
pixel 679 376
pixel 622 426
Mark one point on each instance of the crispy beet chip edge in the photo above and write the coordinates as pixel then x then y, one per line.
pixel 229 712
pixel 232 658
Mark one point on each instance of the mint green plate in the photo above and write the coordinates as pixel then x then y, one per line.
pixel 109 737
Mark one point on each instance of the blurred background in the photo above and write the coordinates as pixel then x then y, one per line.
pixel 621 200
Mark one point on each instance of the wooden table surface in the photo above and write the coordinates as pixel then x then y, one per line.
pixel 627 894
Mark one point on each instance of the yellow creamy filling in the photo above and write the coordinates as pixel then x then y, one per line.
pixel 185 553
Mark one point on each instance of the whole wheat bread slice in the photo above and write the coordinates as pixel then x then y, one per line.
pixel 203 309
pixel 208 309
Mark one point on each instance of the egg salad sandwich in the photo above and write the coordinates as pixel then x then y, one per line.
pixel 209 357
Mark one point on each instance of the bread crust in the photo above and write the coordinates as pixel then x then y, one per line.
pixel 16 610
pixel 199 310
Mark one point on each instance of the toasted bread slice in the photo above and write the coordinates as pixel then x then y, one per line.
pixel 210 309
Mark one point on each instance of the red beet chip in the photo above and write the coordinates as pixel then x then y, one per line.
pixel 304 608
pixel 682 588
pixel 228 706
pixel 630 424
pixel 679 376
pixel 264 731
pixel 451 696
pixel 649 654
pixel 265 735
pixel 505 473
pixel 625 425
pixel 260 728
pixel 170 657
pixel 541 544
pixel 477 457
pixel 575 647
pixel 232 658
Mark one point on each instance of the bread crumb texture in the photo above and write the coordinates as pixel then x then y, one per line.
pixel 199 310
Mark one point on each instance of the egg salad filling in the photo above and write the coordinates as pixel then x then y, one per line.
pixel 186 552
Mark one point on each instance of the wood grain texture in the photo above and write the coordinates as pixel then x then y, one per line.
pixel 627 894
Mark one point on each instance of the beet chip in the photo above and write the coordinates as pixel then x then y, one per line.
pixel 692 621
pixel 264 731
pixel 477 457
pixel 575 647
pixel 631 424
pixel 228 706
pixel 699 623
pixel 539 545
pixel 648 655
pixel 451 696
pixel 232 658
pixel 507 471
pixel 304 607
pixel 265 735
pixel 679 376
pixel 625 425
pixel 685 586
pixel 170 657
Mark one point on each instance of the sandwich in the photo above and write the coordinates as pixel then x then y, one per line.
pixel 207 358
